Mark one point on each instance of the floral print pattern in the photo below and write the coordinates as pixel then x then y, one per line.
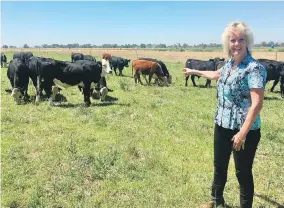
pixel 233 92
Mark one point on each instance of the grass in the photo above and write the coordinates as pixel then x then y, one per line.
pixel 146 146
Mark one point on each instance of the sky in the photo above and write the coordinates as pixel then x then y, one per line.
pixel 135 22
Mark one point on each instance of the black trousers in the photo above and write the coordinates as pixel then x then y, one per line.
pixel 223 146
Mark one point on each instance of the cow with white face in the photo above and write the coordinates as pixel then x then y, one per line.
pixel 102 89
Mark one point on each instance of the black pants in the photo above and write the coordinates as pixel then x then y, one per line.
pixel 223 146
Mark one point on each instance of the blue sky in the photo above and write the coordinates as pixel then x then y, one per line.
pixel 94 22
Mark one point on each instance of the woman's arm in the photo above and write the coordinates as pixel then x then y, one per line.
pixel 257 97
pixel 212 75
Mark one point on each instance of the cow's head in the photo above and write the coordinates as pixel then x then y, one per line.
pixel 126 62
pixel 17 95
pixel 169 79
pixel 105 67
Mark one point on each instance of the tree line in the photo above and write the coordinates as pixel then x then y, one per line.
pixel 143 45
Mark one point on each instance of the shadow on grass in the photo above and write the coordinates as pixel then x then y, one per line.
pixel 103 104
pixel 266 198
pixel 273 98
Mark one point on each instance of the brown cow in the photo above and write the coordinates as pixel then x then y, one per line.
pixel 145 67
pixel 106 56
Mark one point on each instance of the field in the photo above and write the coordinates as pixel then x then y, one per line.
pixel 145 146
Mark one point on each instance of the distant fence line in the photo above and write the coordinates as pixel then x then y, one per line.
pixel 133 53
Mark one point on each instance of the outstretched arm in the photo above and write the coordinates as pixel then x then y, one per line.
pixel 212 75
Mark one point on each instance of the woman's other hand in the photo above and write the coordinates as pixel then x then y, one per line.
pixel 239 141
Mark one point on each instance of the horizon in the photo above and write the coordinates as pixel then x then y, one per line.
pixel 152 22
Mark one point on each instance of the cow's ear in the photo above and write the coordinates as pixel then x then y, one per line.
pixel 271 65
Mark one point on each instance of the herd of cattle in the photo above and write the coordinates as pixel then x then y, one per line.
pixel 85 71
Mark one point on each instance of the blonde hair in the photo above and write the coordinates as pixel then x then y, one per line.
pixel 241 27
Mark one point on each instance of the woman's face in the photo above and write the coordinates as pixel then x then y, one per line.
pixel 237 44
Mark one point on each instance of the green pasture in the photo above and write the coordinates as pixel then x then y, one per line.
pixel 145 146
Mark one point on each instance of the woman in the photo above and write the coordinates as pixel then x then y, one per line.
pixel 240 87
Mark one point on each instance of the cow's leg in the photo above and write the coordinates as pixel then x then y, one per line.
pixel 26 96
pixel 150 77
pixel 86 91
pixel 120 70
pixel 137 76
pixel 274 84
pixel 54 90
pixel 103 93
pixel 114 68
pixel 186 80
pixel 39 89
pixel 208 83
pixel 193 82
pixel 282 86
pixel 145 78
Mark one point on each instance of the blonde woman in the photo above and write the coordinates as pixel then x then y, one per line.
pixel 240 87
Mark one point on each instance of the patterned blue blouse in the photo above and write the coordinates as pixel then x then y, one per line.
pixel 233 92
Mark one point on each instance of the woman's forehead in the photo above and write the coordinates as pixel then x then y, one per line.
pixel 236 34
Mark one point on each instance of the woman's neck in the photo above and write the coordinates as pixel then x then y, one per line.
pixel 238 59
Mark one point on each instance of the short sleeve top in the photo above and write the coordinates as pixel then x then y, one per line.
pixel 233 92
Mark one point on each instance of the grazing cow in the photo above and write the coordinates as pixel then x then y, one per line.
pixel 18 74
pixel 145 67
pixel 118 62
pixel 77 56
pixel 34 64
pixel 201 65
pixel 66 74
pixel 89 58
pixel 100 87
pixel 275 71
pixel 3 60
pixel 164 69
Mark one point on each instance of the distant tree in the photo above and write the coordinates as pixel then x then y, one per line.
pixel 54 45
pixel 26 46
pixel 185 45
pixel 4 46
pixel 161 45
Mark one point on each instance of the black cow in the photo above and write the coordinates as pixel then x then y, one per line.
pixel 3 60
pixel 77 56
pixel 201 65
pixel 100 87
pixel 163 67
pixel 275 71
pixel 118 62
pixel 23 56
pixel 66 74
pixel 34 64
pixel 18 74
pixel 89 58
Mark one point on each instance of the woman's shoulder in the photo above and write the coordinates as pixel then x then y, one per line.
pixel 255 65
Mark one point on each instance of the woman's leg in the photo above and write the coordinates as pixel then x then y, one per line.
pixel 243 164
pixel 222 152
